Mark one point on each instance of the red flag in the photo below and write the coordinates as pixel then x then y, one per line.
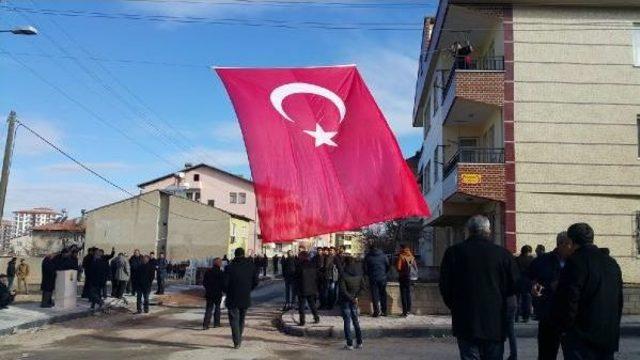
pixel 322 156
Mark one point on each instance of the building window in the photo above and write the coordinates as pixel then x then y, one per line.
pixel 242 198
pixel 211 203
pixel 233 198
pixel 196 177
pixel 636 44
pixel 233 233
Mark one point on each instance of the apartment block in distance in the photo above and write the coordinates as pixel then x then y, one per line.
pixel 25 220
pixel 530 111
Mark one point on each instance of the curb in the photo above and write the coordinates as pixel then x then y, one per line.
pixel 39 323
pixel 331 331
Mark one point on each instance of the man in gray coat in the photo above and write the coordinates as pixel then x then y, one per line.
pixel 121 275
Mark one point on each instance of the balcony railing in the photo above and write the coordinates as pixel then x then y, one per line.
pixel 488 63
pixel 474 156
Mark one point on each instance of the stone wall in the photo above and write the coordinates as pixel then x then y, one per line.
pixel 427 301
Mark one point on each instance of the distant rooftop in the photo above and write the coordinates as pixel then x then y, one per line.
pixel 38 210
pixel 189 168
pixel 71 225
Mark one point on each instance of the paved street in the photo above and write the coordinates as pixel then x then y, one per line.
pixel 174 333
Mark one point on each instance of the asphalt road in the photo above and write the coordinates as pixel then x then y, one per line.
pixel 175 333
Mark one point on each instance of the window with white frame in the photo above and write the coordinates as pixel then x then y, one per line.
pixel 242 198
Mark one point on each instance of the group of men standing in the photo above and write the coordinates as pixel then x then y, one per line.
pixel 578 287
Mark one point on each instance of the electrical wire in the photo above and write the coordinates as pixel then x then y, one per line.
pixel 84 107
pixel 104 178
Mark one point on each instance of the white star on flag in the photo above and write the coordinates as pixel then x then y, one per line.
pixel 322 137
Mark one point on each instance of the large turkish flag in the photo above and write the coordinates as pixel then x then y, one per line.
pixel 322 156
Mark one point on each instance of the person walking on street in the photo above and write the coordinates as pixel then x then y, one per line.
pixel 86 263
pixel 121 275
pixel 48 283
pixel 351 285
pixel 276 262
pixel 476 278
pixel 544 273
pixel 376 267
pixel 97 275
pixel 213 282
pixel 331 276
pixel 106 259
pixel 241 277
pixel 134 264
pixel 307 287
pixel 11 273
pixel 523 261
pixel 407 268
pixel 587 307
pixel 142 280
pixel 161 273
pixel 265 264
pixel 22 274
pixel 289 275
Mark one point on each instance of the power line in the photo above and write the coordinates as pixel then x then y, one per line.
pixel 85 108
pixel 375 5
pixel 102 177
pixel 110 91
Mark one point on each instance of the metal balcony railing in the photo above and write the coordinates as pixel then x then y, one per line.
pixel 489 63
pixel 474 156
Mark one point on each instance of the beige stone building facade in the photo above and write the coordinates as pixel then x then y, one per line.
pixel 158 221
pixel 536 124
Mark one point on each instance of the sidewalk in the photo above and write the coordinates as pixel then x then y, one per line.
pixel 331 326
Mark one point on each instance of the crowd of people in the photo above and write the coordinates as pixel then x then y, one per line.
pixel 575 291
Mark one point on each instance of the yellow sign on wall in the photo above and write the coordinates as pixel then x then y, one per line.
pixel 471 179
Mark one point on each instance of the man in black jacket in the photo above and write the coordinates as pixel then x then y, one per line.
pixel 544 272
pixel 307 286
pixel 86 263
pixel 97 275
pixel 11 272
pixel 350 285
pixel 289 275
pixel 48 283
pixel 213 282
pixel 588 302
pixel 376 267
pixel 6 295
pixel 476 277
pixel 241 277
pixel 134 264
pixel 142 280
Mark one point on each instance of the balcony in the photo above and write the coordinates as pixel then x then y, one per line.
pixel 473 90
pixel 474 173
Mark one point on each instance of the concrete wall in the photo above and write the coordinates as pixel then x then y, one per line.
pixel 188 238
pixel 576 146
pixel 126 225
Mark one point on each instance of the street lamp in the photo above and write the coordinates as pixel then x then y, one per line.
pixel 22 30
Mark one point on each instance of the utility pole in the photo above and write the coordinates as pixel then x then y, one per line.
pixel 6 162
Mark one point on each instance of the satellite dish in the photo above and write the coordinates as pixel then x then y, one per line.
pixel 181 175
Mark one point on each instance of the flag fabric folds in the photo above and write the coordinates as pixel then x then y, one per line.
pixel 322 156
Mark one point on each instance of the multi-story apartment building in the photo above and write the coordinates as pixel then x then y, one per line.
pixel 7 230
pixel 531 115
pixel 24 220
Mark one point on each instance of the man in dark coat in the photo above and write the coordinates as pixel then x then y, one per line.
pixel 134 263
pixel 241 277
pixel 588 302
pixel 350 285
pixel 6 295
pixel 307 286
pixel 11 272
pixel 213 282
pixel 142 280
pixel 523 288
pixel 476 277
pixel 161 273
pixel 48 282
pixel 86 262
pixel 376 267
pixel 97 275
pixel 276 262
pixel 544 272
pixel 289 275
